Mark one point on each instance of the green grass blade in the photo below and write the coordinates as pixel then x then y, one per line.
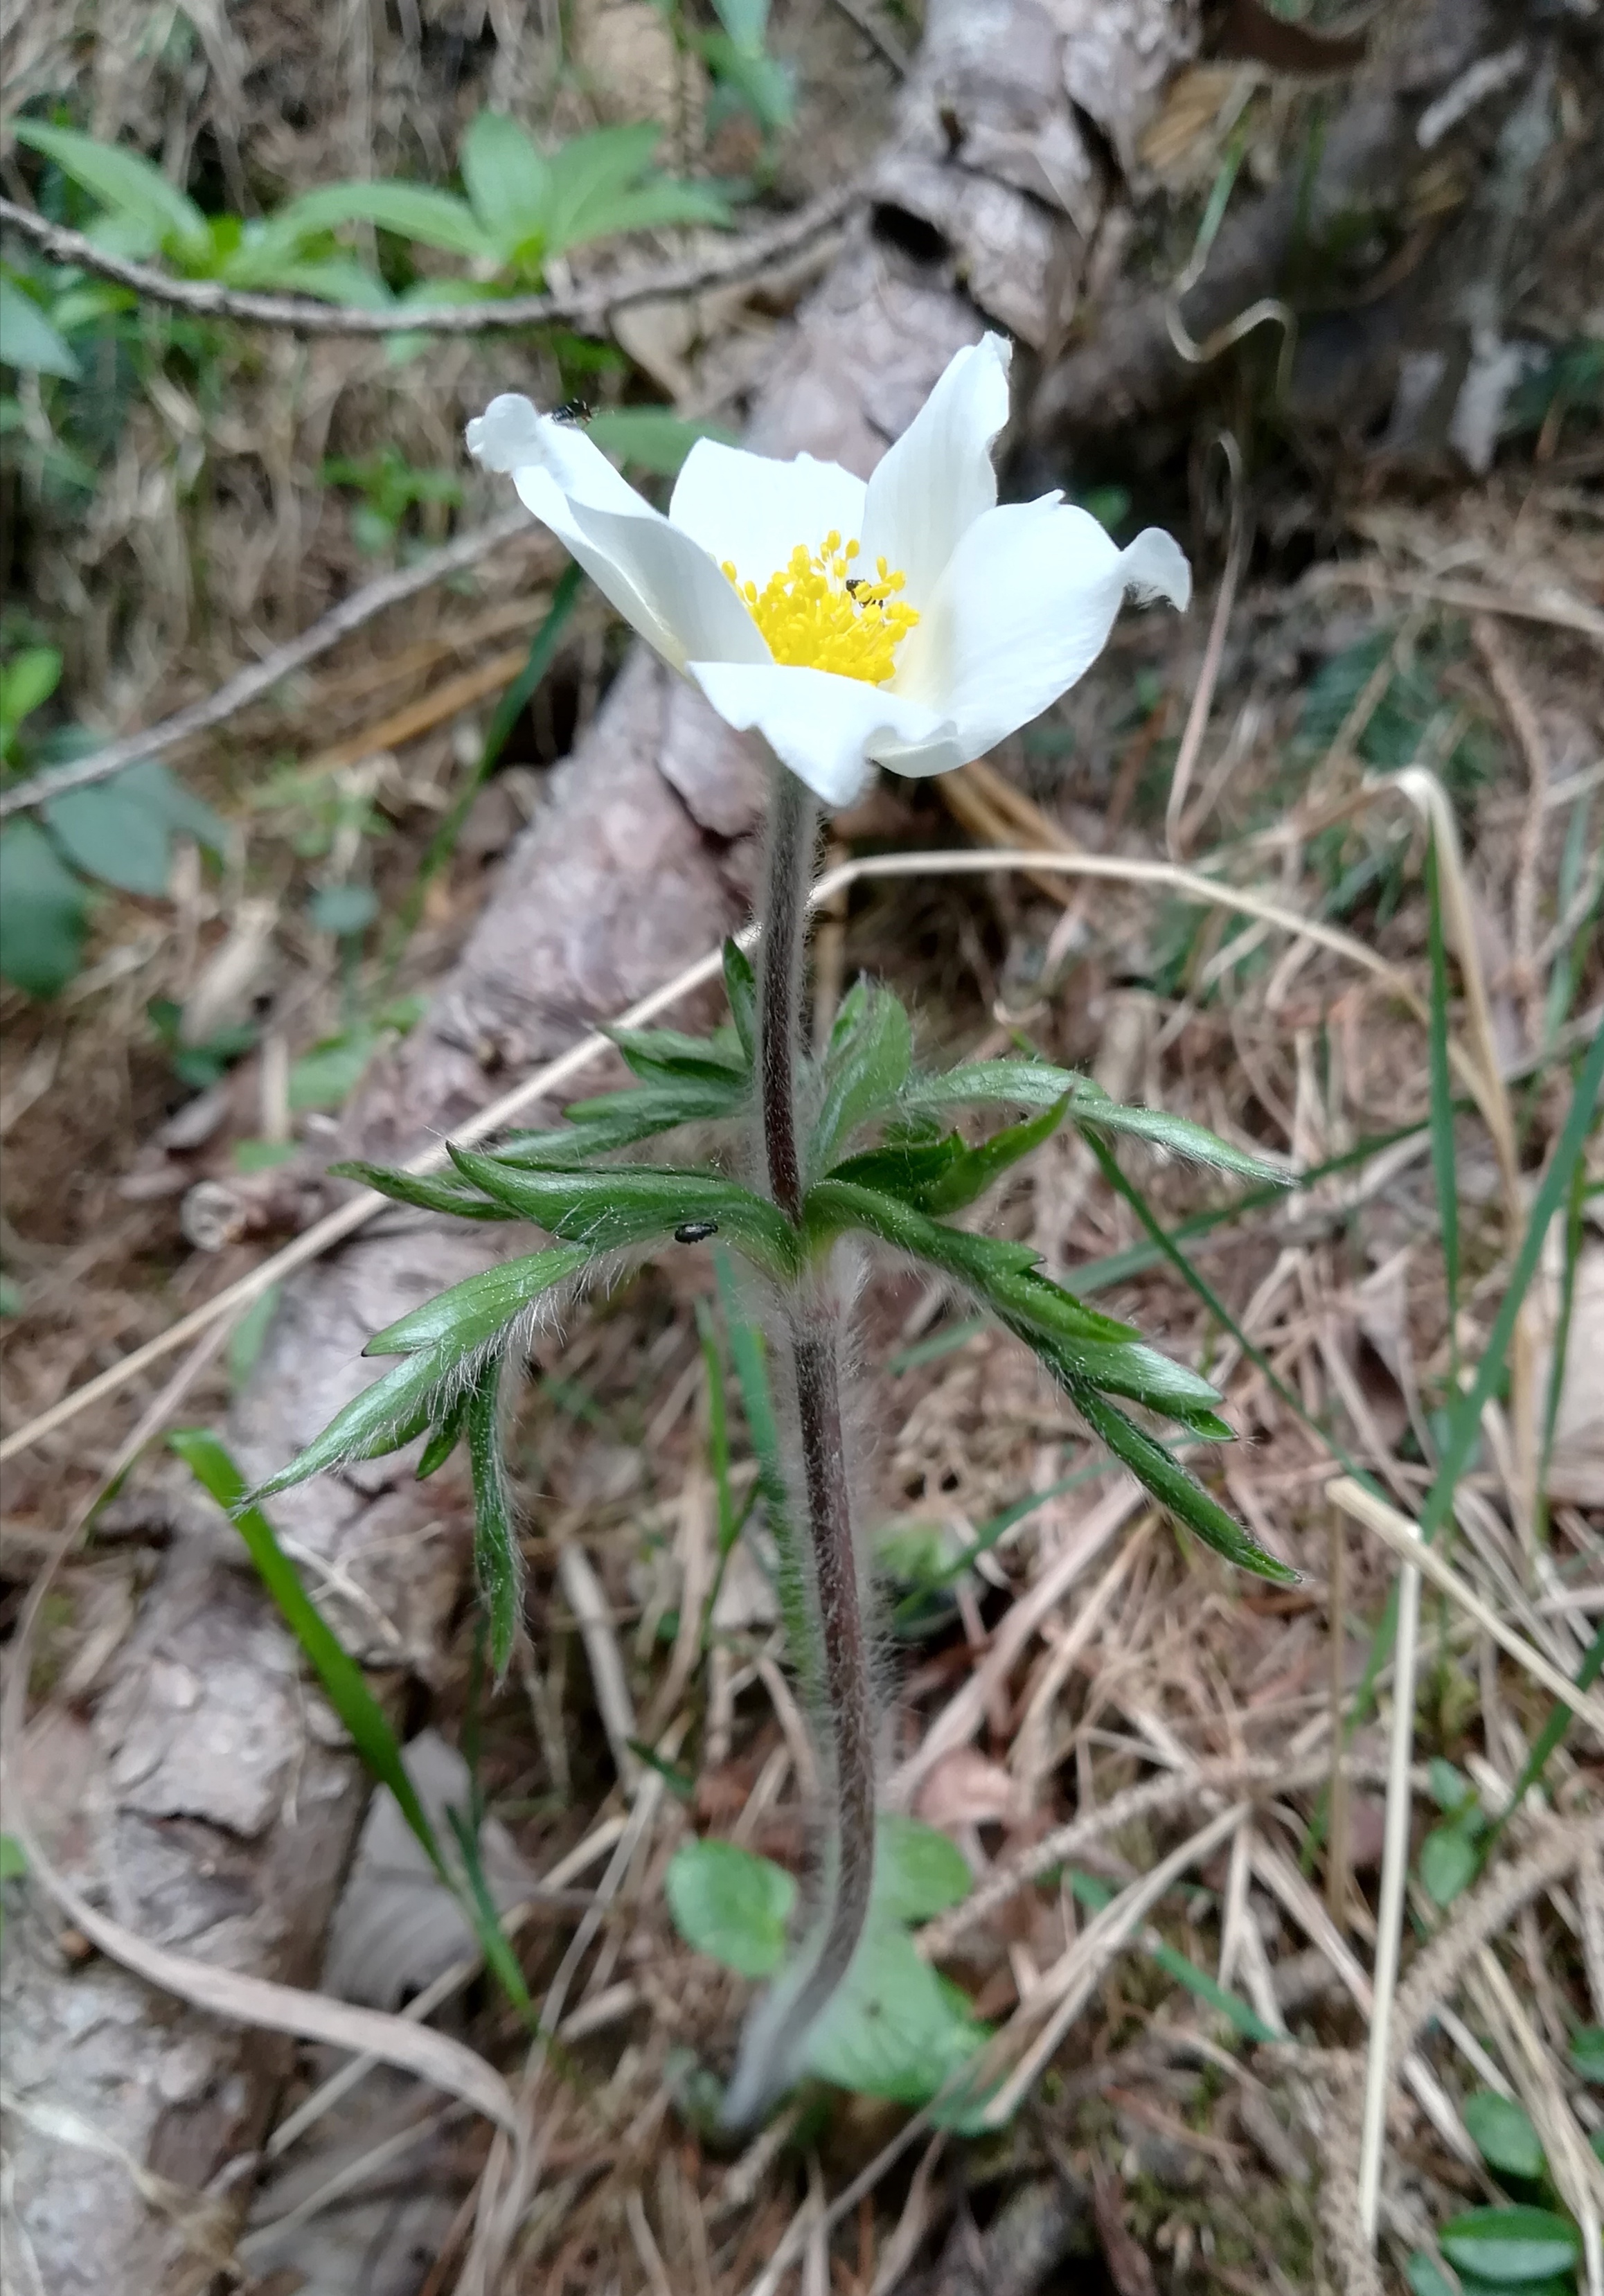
pixel 514 702
pixel 1465 1422
pixel 214 1469
pixel 1543 1746
pixel 1444 1168
pixel 1166 1247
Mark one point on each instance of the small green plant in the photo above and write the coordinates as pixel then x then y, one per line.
pixel 1451 1853
pixel 117 833
pixel 896 2028
pixel 1529 2242
pixel 390 488
pixel 747 76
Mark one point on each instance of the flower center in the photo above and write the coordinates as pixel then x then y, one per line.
pixel 815 613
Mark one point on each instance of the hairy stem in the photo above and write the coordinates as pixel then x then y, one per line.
pixel 792 821
pixel 812 1322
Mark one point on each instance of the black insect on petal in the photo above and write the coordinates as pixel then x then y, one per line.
pixel 695 1231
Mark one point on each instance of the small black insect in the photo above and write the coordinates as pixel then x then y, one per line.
pixel 575 410
pixel 695 1231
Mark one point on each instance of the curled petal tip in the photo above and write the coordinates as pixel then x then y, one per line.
pixel 507 435
pixel 1155 566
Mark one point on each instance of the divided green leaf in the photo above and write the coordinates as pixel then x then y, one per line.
pixel 1037 1084
pixel 456 1322
pixel 866 1069
pixel 428 1191
pixel 635 1203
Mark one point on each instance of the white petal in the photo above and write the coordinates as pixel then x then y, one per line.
pixel 829 730
pixel 937 479
pixel 659 578
pixel 1023 610
pixel 754 511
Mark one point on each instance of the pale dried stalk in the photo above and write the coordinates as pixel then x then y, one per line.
pixel 1389 1915
pixel 1404 1537
pixel 1066 1987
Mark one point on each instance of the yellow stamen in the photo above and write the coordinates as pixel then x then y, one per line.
pixel 815 614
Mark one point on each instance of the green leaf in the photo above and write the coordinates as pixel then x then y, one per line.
pixel 113 836
pixel 730 1904
pixel 1425 2278
pixel 336 280
pixel 892 2029
pixel 508 180
pixel 1503 2134
pixel 13 1858
pixel 1587 2053
pixel 429 1192
pixel 342 1680
pixel 344 910
pixel 330 1073
pixel 1079 1345
pixel 762 83
pixel 740 987
pixel 453 1324
pixel 121 180
pixel 618 1119
pixel 1511 2247
pixel 1450 1788
pixel 27 682
pixel 917 1873
pixel 411 211
pixel 1447 1862
pixel 943 1175
pixel 1130 1368
pixel 497 1558
pixel 245 1340
pixel 28 339
pixel 665 1056
pixel 444 1436
pixel 652 437
pixel 384 1417
pixel 635 1203
pixel 866 1068
pixel 745 20
pixel 43 912
pixel 113 832
pixel 595 192
pixel 1037 1084
pixel 1170 1484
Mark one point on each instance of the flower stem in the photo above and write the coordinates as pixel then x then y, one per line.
pixel 813 1328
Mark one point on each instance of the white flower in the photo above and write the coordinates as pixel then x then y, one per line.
pixel 910 622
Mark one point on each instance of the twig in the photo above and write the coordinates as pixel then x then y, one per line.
pixel 362 1207
pixel 1202 701
pixel 249 685
pixel 1555 607
pixel 1389 1918
pixel 586 308
pixel 1404 1537
pixel 883 45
